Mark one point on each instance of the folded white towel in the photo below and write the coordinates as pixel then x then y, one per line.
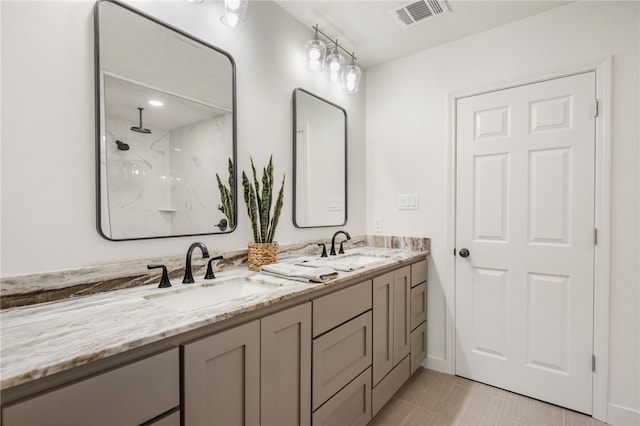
pixel 337 264
pixel 299 273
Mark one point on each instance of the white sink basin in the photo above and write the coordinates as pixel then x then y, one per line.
pixel 361 259
pixel 195 296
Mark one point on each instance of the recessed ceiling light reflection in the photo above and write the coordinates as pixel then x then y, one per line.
pixel 156 103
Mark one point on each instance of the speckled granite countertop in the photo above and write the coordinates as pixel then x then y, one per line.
pixel 42 339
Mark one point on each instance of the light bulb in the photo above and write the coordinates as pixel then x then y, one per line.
pixel 234 13
pixel 334 66
pixel 232 19
pixel 232 4
pixel 314 64
pixel 314 53
pixel 315 50
pixel 351 78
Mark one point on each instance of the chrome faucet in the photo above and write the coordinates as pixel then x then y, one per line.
pixel 188 275
pixel 333 242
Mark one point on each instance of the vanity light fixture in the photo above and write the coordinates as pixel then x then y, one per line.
pixel 316 49
pixel 234 12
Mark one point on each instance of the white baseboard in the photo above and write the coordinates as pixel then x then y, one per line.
pixel 437 364
pixel 622 416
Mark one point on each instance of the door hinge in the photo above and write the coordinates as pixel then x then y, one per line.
pixel 593 363
pixel 595 236
pixel 596 108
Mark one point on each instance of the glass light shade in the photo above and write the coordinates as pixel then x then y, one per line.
pixel 351 78
pixel 316 51
pixel 234 12
pixel 335 63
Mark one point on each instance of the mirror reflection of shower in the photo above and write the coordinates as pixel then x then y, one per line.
pixel 122 146
pixel 140 128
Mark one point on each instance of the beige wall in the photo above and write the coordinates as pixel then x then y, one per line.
pixel 407 151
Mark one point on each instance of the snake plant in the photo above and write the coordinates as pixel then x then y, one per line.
pixel 226 195
pixel 259 202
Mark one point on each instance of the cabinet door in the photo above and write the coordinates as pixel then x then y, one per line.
pixel 382 326
pixel 285 367
pixel 222 378
pixel 132 394
pixel 401 314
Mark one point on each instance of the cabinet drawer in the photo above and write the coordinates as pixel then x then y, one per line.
pixel 172 419
pixel 418 272
pixel 418 305
pixel 383 392
pixel 351 406
pixel 339 356
pixel 418 346
pixel 132 394
pixel 336 308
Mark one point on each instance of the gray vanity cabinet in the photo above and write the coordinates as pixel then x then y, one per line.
pixel 256 373
pixel 391 334
pixel 285 361
pixel 391 321
pixel 128 395
pixel 342 356
pixel 418 314
pixel 222 378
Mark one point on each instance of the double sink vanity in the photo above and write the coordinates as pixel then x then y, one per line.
pixel 243 348
pixel 103 346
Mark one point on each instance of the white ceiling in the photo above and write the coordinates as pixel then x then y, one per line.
pixel 367 28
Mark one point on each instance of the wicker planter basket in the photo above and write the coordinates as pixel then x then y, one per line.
pixel 262 254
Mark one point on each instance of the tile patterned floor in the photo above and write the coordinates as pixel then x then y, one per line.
pixel 432 398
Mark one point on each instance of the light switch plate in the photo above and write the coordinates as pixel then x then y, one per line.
pixel 408 202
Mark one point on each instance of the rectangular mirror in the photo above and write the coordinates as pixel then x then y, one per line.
pixel 319 162
pixel 165 129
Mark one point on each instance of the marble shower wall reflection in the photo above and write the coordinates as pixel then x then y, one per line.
pixel 165 183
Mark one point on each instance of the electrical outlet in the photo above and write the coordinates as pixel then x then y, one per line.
pixel 377 224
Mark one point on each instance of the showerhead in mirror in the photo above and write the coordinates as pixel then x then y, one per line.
pixel 139 128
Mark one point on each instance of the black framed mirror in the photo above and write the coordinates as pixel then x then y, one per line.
pixel 165 129
pixel 319 161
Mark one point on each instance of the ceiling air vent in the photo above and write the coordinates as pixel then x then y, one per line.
pixel 413 13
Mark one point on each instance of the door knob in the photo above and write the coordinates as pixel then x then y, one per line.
pixel 464 252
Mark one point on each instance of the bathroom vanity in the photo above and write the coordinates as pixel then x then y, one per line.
pixel 301 353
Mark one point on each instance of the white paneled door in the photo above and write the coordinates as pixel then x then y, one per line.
pixel 525 221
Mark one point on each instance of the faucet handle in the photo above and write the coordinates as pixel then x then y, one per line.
pixel 164 280
pixel 209 274
pixel 324 249
pixel 341 251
